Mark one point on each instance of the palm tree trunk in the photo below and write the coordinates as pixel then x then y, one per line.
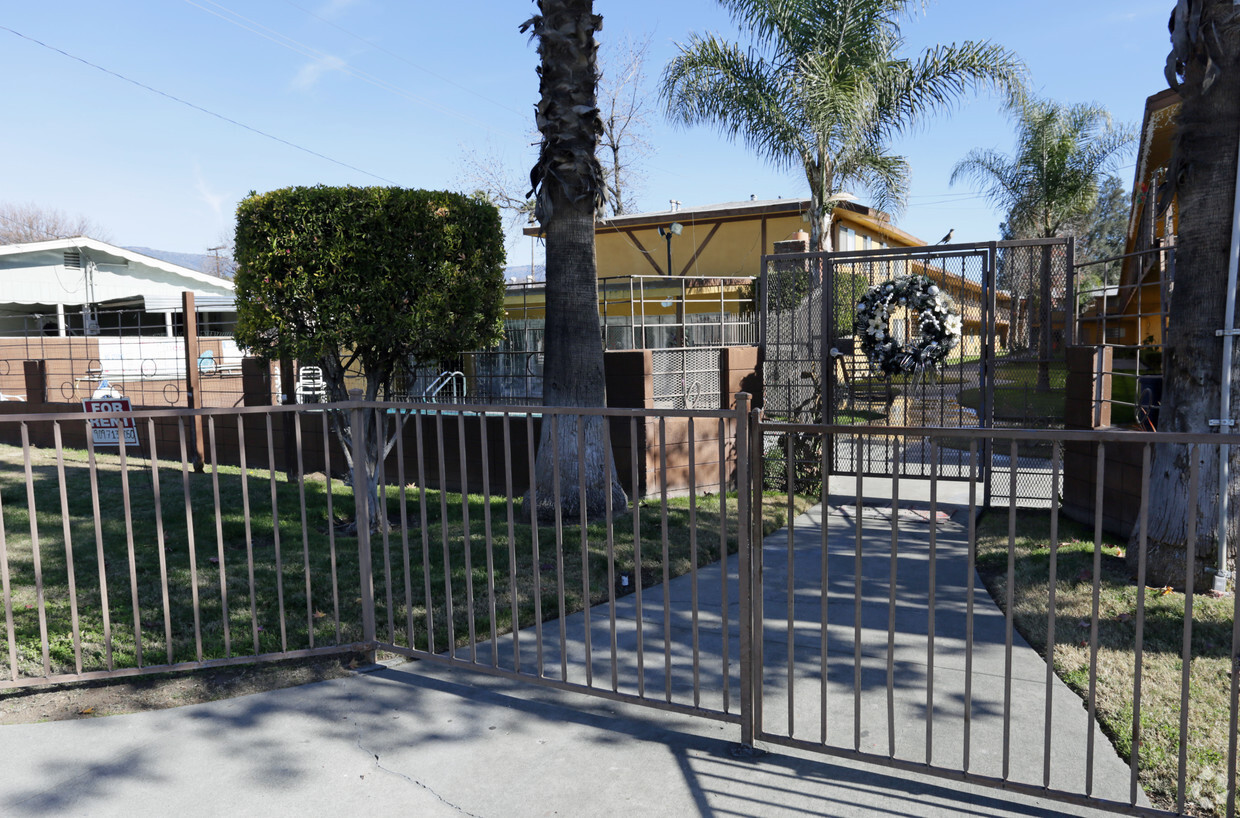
pixel 571 186
pixel 1204 162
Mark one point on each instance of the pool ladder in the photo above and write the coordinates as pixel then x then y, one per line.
pixel 453 380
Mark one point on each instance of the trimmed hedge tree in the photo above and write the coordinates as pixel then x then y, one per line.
pixel 352 278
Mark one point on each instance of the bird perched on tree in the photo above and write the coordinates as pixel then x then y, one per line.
pixel 947 239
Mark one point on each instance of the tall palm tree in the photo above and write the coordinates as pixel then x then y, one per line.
pixel 569 190
pixel 1063 154
pixel 1205 68
pixel 822 88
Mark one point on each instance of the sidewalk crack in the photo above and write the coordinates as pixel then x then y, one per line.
pixel 379 763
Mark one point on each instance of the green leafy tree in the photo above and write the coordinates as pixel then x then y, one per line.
pixel 569 190
pixel 367 278
pixel 822 89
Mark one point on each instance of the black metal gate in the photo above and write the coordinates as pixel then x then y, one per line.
pixel 1015 301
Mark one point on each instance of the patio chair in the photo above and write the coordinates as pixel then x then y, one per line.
pixel 310 388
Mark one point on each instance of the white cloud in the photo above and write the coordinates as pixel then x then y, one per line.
pixel 213 200
pixel 310 73
pixel 333 8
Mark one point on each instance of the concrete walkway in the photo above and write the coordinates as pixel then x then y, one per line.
pixel 428 740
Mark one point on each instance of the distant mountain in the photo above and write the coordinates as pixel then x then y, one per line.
pixel 202 262
pixel 516 273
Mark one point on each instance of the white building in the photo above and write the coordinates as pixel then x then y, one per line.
pixel 81 286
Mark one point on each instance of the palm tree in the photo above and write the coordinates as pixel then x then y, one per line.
pixel 569 190
pixel 1063 154
pixel 821 88
pixel 1205 69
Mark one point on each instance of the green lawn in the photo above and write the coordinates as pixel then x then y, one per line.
pixel 1161 669
pixel 293 571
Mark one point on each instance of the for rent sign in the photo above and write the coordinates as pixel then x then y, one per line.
pixel 107 431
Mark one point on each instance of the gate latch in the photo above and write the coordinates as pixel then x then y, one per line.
pixel 1221 422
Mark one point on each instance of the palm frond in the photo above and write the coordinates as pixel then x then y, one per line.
pixel 717 83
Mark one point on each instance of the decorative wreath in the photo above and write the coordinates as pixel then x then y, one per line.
pixel 938 322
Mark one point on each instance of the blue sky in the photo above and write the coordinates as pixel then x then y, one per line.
pixel 399 91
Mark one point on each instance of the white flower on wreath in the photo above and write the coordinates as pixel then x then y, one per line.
pixel 953 325
pixel 877 327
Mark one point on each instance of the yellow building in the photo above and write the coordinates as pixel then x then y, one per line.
pixel 1134 312
pixel 684 277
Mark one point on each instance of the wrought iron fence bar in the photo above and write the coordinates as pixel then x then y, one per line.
pixel 487 531
pixel 423 513
pixel 723 564
pixel 931 598
pixel 129 542
pixel 512 543
pixel 637 558
pixel 221 560
pixel 693 568
pixel 609 471
pixel 68 537
pixel 536 565
pixel 331 522
pixel 1143 525
pixel 1093 619
pixel 449 612
pixel 361 504
pixel 245 511
pixel 305 528
pixel 36 557
pixel 275 529
pixel 1051 618
pixel 1186 646
pixel 823 592
pixel 582 523
pixel 1009 616
pixel 666 567
pixel 790 484
pixel 748 473
pixel 467 536
pixel 557 512
pixel 891 605
pixel 969 578
pixel 381 500
pixel 191 546
pixel 10 629
pixel 857 574
pixel 1235 700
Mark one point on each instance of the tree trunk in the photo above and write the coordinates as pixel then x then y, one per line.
pixel 1204 165
pixel 1045 313
pixel 571 187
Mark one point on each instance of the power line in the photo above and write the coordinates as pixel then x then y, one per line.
pixel 198 108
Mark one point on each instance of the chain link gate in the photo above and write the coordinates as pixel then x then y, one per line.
pixel 1017 312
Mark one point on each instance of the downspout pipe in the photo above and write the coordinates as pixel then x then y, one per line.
pixel 1229 326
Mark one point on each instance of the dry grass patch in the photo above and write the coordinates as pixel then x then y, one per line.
pixel 1119 615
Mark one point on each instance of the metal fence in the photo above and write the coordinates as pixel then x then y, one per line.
pixel 1008 370
pixel 1123 303
pixel 884 624
pixel 129 352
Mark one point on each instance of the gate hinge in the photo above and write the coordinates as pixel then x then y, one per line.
pixel 1219 333
pixel 1221 422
